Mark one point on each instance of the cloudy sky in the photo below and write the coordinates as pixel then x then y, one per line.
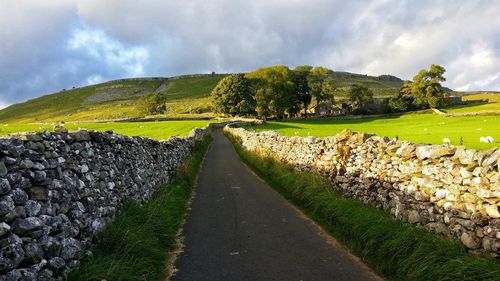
pixel 47 45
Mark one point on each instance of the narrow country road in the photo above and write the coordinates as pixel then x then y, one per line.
pixel 241 229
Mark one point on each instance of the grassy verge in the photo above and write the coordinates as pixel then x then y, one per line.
pixel 396 250
pixel 135 245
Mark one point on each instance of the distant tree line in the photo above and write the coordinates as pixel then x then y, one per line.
pixel 275 91
pixel 280 92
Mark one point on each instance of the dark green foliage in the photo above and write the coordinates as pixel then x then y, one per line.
pixel 152 104
pixel 300 78
pixel 425 91
pixel 321 88
pixel 274 91
pixel 396 250
pixel 404 100
pixel 280 91
pixel 233 96
pixel 135 245
pixel 426 87
pixel 360 97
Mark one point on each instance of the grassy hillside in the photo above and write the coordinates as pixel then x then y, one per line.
pixel 383 85
pixel 419 128
pixel 113 100
pixel 187 96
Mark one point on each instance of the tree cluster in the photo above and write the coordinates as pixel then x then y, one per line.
pixel 275 91
pixel 360 99
pixel 152 104
pixel 425 91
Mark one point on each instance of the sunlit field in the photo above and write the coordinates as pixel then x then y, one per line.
pixel 418 128
pixel 154 130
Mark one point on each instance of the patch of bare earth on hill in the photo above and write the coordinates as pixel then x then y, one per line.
pixel 116 92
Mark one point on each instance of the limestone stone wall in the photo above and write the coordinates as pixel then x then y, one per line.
pixel 58 190
pixel 448 189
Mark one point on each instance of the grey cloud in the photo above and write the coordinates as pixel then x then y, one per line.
pixel 164 38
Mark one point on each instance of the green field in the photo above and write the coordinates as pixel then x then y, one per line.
pixel 418 128
pixel 492 106
pixel 154 130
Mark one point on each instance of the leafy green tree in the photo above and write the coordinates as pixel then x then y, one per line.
pixel 274 91
pixel 233 95
pixel 404 100
pixel 263 100
pixel 300 79
pixel 426 87
pixel 360 97
pixel 152 104
pixel 320 87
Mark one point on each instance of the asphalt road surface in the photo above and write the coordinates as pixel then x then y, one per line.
pixel 241 229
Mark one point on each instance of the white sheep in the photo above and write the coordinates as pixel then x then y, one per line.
pixel 446 141
pixel 487 139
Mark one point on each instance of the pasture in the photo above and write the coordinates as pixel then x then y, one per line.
pixel 154 130
pixel 492 106
pixel 417 128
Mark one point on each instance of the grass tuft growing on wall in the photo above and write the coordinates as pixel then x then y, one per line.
pixel 135 245
pixel 396 250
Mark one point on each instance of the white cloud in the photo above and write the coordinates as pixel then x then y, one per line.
pixel 3 104
pixel 112 53
pixel 50 45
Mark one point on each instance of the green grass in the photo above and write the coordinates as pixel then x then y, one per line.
pixel 418 128
pixel 191 87
pixel 113 100
pixel 396 250
pixel 135 245
pixel 155 130
pixel 492 106
pixel 380 87
pixel 486 107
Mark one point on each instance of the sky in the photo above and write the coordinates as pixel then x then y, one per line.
pixel 48 45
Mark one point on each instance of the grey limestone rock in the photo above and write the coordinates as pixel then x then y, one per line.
pixel 3 169
pixel 22 226
pixel 11 253
pixel 4 186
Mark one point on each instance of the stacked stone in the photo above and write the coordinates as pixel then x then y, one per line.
pixel 448 189
pixel 58 189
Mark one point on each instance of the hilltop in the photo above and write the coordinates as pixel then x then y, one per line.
pixel 187 97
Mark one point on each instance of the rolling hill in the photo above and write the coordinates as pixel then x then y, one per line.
pixel 187 97
pixel 114 100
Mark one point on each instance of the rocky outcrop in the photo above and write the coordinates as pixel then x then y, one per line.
pixel 57 190
pixel 448 189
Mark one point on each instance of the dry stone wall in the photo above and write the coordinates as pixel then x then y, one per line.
pixel 448 189
pixel 57 190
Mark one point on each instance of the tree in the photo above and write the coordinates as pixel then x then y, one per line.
pixel 275 93
pixel 426 87
pixel 359 98
pixel 233 95
pixel 404 100
pixel 320 87
pixel 152 104
pixel 300 79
